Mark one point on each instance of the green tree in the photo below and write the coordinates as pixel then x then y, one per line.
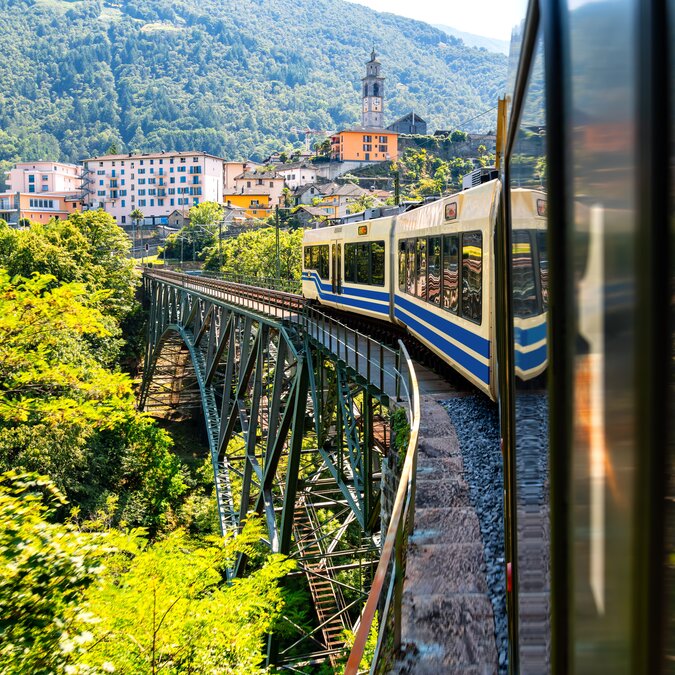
pixel 362 203
pixel 165 607
pixel 64 413
pixel 45 570
pixel 254 254
pixel 206 213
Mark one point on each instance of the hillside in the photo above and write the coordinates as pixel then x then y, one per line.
pixel 231 77
pixel 479 41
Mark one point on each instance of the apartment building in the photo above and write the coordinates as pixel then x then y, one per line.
pixel 259 182
pixel 39 208
pixel 298 174
pixel 156 183
pixel 41 177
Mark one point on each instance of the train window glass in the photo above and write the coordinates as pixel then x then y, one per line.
pixel 410 274
pixel 308 257
pixel 322 263
pixel 421 271
pixel 363 263
pixel 401 264
pixel 542 249
pixel 524 289
pixel 350 262
pixel 472 276
pixel 377 263
pixel 451 272
pixel 434 272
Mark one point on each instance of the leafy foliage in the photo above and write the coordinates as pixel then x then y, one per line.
pixel 218 76
pixel 253 254
pixel 45 570
pixel 63 412
pixel 76 601
pixel 166 607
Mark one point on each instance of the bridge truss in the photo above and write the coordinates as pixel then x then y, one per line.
pixel 296 410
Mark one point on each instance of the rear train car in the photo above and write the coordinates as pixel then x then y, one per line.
pixel 349 267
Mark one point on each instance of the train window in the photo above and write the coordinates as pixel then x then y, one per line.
pixel 363 263
pixel 410 273
pixel 524 289
pixel 322 264
pixel 308 257
pixel 472 276
pixel 377 263
pixel 542 248
pixel 434 272
pixel 350 262
pixel 451 272
pixel 401 265
pixel 421 271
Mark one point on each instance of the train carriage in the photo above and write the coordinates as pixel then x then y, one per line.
pixel 431 270
pixel 349 267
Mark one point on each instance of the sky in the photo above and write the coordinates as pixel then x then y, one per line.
pixel 491 18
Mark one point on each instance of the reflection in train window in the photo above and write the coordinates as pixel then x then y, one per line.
pixel 524 288
pixel 421 275
pixel 410 274
pixel 451 272
pixel 362 263
pixel 542 247
pixel 377 263
pixel 434 278
pixel 316 258
pixel 472 273
pixel 401 265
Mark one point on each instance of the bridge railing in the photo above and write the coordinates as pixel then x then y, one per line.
pixel 387 590
pixel 277 303
pixel 375 362
pixel 285 285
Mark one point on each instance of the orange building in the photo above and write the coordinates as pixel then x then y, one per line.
pixel 39 208
pixel 364 144
pixel 256 205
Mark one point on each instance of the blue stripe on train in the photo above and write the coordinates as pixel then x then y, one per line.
pixel 528 336
pixel 475 342
pixel 348 301
pixel 473 365
pixel 346 290
pixel 530 360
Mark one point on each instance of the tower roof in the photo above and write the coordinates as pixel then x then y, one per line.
pixel 373 57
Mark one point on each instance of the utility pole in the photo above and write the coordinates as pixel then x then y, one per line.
pixel 397 187
pixel 278 253
pixel 220 245
pixel 181 251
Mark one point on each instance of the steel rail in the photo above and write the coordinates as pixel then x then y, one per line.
pixel 400 525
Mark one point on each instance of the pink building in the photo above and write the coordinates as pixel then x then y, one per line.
pixel 156 183
pixel 45 177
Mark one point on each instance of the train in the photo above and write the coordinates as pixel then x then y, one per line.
pixel 431 271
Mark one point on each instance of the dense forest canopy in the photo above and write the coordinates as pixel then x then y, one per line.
pixel 231 77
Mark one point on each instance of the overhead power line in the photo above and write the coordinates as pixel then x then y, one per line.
pixel 471 119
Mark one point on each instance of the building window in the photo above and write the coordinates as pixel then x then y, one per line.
pixel 141 202
pixel 160 202
pixel 183 179
pixel 141 162
pixel 171 201
pixel 45 188
pixel 195 159
pixel 152 161
pixel 31 178
pixel 367 138
pixel 124 203
pixel 182 161
pixel 152 202
pixel 141 181
pixel 141 193
pixel 100 193
pixel 124 218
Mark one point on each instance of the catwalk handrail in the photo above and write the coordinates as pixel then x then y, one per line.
pixel 391 564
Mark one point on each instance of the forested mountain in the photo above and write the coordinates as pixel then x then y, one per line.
pixel 480 41
pixel 231 77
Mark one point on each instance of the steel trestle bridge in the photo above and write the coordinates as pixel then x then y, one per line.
pixel 297 408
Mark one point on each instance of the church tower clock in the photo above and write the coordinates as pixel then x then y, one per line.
pixel 373 94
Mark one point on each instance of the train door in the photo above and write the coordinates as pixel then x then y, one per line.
pixel 336 267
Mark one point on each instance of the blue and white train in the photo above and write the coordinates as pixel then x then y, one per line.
pixel 431 270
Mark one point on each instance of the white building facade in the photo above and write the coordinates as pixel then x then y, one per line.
pixel 45 177
pixel 156 183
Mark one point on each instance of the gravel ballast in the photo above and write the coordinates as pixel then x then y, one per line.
pixel 476 422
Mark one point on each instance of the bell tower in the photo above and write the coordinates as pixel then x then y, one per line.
pixel 373 94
